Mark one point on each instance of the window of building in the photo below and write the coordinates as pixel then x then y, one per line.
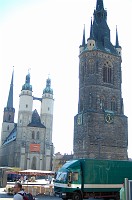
pixel 102 102
pixel 33 135
pixel 26 105
pixel 9 117
pixel 38 135
pixel 107 72
pixel 8 127
pixel 113 104
pixel 48 108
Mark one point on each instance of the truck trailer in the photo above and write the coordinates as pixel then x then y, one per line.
pixel 91 178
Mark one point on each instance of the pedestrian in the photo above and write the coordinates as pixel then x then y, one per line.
pixel 18 191
pixel 24 179
pixel 122 193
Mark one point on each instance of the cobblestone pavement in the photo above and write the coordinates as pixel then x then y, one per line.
pixel 4 196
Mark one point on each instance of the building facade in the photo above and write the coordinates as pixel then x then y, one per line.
pixel 27 144
pixel 100 127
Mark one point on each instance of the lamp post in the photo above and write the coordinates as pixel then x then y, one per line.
pixel 51 155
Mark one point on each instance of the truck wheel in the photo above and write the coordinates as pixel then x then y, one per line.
pixel 76 196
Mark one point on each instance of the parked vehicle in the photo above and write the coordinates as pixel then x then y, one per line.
pixel 87 178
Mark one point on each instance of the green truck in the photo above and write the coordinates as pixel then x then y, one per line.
pixel 91 178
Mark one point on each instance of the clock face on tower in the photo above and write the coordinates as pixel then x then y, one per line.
pixel 109 118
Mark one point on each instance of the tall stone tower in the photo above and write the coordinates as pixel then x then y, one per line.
pixel 47 119
pixel 100 127
pixel 9 112
pixel 25 103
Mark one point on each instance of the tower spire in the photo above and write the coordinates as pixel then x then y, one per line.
pixel 99 5
pixel 117 40
pixel 91 29
pixel 83 40
pixel 10 96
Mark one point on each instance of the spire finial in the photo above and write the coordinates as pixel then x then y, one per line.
pixel 99 5
pixel 10 96
pixel 83 40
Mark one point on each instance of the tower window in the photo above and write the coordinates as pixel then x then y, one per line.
pixel 9 117
pixel 48 108
pixel 8 127
pixel 33 135
pixel 38 135
pixel 26 105
pixel 113 104
pixel 107 73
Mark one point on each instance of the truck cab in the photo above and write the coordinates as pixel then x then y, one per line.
pixel 68 181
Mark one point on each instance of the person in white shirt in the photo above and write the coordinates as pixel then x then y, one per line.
pixel 18 192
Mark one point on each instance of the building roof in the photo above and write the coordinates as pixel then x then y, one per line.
pixel 27 85
pixel 12 136
pixel 9 106
pixel 48 87
pixel 36 121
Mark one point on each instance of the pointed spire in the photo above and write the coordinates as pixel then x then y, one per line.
pixel 10 96
pixel 91 29
pixel 83 40
pixel 99 5
pixel 117 40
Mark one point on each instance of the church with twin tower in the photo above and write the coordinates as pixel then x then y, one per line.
pixel 100 127
pixel 27 144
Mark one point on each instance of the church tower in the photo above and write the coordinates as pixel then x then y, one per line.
pixel 25 103
pixel 100 127
pixel 47 119
pixel 9 112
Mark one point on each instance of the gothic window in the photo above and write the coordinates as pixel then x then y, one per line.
pixel 38 135
pixel 9 117
pixel 113 104
pixel 34 163
pixel 107 72
pixel 33 135
pixel 102 103
pixel 91 66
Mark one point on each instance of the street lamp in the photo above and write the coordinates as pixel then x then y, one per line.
pixel 51 155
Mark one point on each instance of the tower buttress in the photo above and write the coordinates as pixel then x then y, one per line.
pixel 9 112
pixel 25 103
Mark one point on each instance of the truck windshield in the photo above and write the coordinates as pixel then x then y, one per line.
pixel 61 176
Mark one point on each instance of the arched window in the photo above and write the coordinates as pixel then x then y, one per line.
pixel 91 66
pixel 38 135
pixel 102 102
pixel 107 72
pixel 9 117
pixel 33 135
pixel 33 163
pixel 113 104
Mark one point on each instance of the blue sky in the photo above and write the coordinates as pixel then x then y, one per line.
pixel 45 35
